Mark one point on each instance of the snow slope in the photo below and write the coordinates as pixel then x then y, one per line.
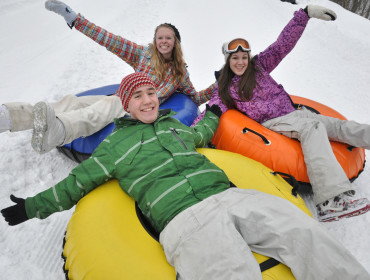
pixel 42 59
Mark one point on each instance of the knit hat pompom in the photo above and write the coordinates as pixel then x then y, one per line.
pixel 129 85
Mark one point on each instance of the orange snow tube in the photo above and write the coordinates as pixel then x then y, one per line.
pixel 280 153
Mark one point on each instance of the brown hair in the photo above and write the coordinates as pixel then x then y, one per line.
pixel 246 84
pixel 176 64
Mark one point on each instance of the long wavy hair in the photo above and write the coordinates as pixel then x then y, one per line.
pixel 161 65
pixel 246 84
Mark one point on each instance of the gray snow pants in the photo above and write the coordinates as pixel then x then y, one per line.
pixel 214 239
pixel 81 116
pixel 314 132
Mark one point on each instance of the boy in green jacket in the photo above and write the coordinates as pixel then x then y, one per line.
pixel 207 229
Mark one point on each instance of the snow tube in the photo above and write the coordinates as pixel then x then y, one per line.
pixel 81 148
pixel 240 134
pixel 107 237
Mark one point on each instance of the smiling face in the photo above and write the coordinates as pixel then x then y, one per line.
pixel 165 41
pixel 144 104
pixel 239 62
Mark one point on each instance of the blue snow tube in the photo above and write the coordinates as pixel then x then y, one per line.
pixel 81 148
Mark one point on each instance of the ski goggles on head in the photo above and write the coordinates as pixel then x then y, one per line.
pixel 235 44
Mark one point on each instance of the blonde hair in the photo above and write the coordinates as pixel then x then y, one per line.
pixel 161 66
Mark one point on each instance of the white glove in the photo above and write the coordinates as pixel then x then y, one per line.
pixel 319 12
pixel 62 9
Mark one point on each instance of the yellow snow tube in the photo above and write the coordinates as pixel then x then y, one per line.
pixel 106 240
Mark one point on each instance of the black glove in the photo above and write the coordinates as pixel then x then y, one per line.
pixel 15 214
pixel 215 109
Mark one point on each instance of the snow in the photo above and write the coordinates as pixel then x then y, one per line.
pixel 42 59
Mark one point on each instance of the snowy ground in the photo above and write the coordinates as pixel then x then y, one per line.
pixel 42 59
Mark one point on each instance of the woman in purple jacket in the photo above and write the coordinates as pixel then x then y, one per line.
pixel 245 84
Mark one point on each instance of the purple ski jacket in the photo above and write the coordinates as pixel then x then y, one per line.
pixel 270 100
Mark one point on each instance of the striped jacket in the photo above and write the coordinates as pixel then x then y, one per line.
pixel 138 57
pixel 156 164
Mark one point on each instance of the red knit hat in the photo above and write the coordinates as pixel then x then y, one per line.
pixel 130 83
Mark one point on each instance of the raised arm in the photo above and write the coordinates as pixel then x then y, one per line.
pixel 288 38
pixel 292 32
pixel 129 51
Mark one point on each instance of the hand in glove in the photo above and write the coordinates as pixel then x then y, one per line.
pixel 62 9
pixel 215 109
pixel 15 214
pixel 314 11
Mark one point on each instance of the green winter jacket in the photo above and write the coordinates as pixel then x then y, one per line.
pixel 156 164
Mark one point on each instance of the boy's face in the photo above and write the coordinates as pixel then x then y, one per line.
pixel 144 104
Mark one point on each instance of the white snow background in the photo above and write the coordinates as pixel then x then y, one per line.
pixel 42 59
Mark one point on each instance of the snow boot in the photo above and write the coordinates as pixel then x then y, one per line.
pixel 48 130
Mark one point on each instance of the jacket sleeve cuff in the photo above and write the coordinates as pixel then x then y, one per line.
pixel 306 11
pixel 31 210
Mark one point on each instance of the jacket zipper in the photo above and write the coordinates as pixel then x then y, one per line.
pixel 174 133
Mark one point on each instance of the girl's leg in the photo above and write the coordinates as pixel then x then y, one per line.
pixel 349 132
pixel 325 173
